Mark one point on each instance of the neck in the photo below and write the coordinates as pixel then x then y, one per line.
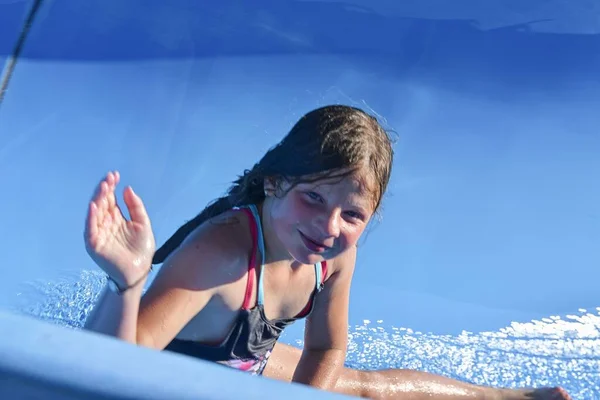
pixel 274 248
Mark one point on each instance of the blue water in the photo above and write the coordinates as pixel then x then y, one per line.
pixel 557 350
pixel 484 266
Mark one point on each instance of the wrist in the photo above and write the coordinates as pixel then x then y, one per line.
pixel 120 288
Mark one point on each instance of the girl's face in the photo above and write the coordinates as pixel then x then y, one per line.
pixel 318 221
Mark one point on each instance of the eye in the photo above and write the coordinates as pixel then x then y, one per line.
pixel 314 196
pixel 354 214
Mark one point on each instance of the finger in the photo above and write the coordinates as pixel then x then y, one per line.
pixel 113 178
pixel 110 194
pixel 110 179
pixel 135 206
pixel 91 225
pixel 102 200
pixel 98 190
pixel 111 210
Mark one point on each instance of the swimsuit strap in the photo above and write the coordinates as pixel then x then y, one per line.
pixel 320 268
pixel 261 249
pixel 252 262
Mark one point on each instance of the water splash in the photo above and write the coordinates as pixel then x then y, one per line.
pixel 555 350
pixel 66 302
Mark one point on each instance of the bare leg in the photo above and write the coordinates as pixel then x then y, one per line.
pixel 401 383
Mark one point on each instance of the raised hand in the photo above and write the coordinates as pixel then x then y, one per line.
pixel 122 248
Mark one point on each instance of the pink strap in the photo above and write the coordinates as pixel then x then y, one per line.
pixel 306 308
pixel 252 264
pixel 324 269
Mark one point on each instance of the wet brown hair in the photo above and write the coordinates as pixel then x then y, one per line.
pixel 331 141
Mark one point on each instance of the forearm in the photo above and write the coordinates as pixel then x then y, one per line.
pixel 320 368
pixel 117 315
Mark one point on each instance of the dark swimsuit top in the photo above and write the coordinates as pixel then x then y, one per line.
pixel 250 341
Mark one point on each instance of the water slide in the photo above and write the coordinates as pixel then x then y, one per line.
pixel 484 264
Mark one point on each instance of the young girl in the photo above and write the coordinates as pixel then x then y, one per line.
pixel 280 246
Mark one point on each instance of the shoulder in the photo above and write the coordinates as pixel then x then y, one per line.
pixel 343 264
pixel 215 253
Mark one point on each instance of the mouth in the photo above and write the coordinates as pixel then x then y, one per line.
pixel 313 245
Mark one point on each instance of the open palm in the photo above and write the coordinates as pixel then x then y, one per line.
pixel 122 248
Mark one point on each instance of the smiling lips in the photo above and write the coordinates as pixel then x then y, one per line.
pixel 313 245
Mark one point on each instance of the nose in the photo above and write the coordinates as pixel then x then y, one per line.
pixel 331 224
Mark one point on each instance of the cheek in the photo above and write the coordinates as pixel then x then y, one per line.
pixel 351 234
pixel 289 213
pixel 298 211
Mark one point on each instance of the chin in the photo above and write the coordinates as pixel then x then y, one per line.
pixel 307 257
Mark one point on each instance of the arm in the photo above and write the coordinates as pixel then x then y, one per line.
pixel 116 315
pixel 326 333
pixel 184 285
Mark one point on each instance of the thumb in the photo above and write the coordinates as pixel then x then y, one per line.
pixel 135 206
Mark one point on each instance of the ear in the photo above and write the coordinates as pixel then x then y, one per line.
pixel 270 185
